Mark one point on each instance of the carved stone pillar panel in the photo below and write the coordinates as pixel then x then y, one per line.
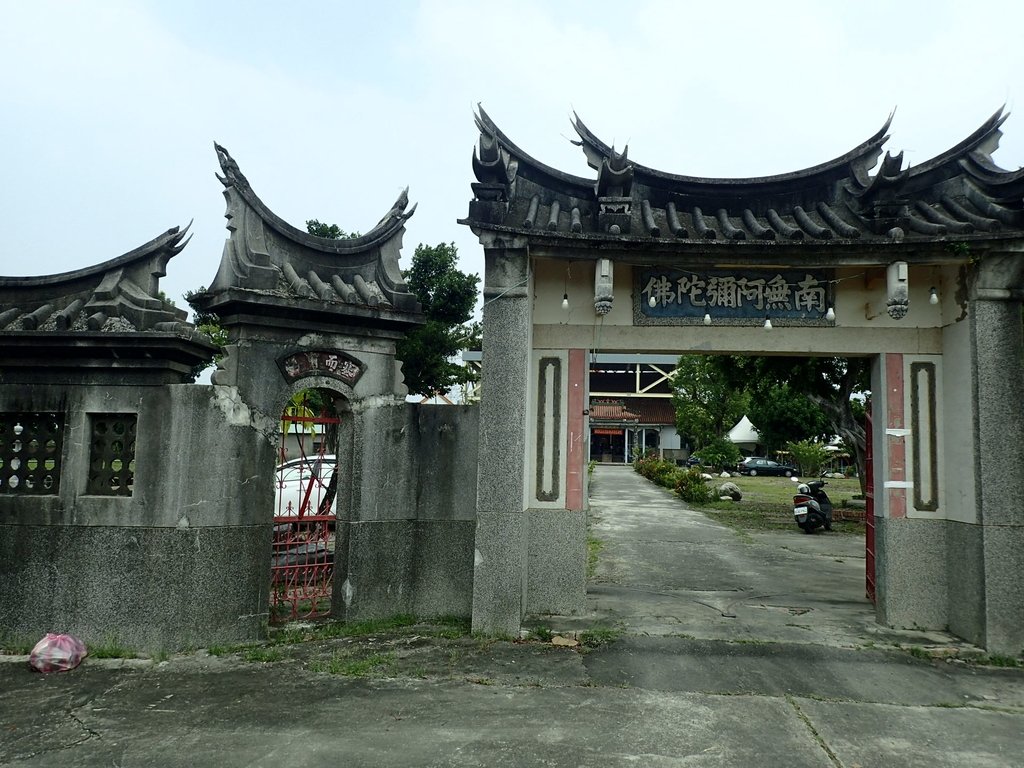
pixel 547 433
pixel 925 456
pixel 910 549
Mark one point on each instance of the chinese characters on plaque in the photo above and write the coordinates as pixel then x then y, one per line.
pixel 732 295
pixel 335 365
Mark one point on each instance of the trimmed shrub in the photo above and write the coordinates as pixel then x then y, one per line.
pixel 687 483
pixel 692 488
pixel 657 470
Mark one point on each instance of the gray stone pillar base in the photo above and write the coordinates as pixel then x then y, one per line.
pixel 391 567
pixel 557 579
pixel 1004 589
pixel 499 573
pixel 911 553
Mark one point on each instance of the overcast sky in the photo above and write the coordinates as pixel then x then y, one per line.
pixel 110 109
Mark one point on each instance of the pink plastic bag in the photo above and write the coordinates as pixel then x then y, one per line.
pixel 57 653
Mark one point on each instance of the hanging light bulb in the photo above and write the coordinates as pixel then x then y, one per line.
pixel 651 301
pixel 565 301
pixel 830 315
pixel 707 318
pixel 933 296
pixel 767 323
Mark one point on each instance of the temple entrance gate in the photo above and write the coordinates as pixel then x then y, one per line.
pixel 919 269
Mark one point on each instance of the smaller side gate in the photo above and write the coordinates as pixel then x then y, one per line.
pixel 305 514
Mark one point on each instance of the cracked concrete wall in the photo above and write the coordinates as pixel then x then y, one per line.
pixel 181 562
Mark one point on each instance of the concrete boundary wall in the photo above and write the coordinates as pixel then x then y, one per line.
pixel 183 561
pixel 408 547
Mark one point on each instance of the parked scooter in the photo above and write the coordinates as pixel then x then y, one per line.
pixel 812 507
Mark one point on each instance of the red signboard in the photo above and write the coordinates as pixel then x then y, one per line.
pixel 335 365
pixel 603 431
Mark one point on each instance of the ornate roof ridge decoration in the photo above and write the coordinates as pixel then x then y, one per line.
pixel 514 156
pixel 983 142
pixel 959 193
pixel 119 295
pixel 863 155
pixel 265 253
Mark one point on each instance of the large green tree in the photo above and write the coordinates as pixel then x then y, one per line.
pixel 782 415
pixel 707 402
pixel 447 297
pixel 836 386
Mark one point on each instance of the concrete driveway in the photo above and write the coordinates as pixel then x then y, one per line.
pixel 667 570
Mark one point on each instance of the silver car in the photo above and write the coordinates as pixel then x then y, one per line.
pixel 303 486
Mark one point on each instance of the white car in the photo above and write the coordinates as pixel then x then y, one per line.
pixel 302 486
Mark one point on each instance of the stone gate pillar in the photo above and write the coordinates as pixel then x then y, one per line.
pixel 997 341
pixel 500 557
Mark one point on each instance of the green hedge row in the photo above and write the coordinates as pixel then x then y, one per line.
pixel 687 483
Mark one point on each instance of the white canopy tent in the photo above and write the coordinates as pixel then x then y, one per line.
pixel 744 435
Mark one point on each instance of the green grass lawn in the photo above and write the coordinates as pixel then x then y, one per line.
pixel 768 504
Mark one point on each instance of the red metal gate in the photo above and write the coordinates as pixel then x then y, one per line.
pixel 869 510
pixel 305 511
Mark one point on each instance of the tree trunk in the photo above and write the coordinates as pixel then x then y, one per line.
pixel 845 424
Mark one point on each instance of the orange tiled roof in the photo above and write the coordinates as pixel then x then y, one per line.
pixel 642 410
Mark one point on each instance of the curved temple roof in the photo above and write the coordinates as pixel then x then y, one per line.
pixel 960 194
pixel 265 253
pixel 122 294
pixel 108 323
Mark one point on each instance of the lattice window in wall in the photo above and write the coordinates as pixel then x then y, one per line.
pixel 30 452
pixel 112 454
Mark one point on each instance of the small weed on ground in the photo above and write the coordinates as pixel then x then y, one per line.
pixel 598 636
pixel 541 634
pixel 594 547
pixel 263 654
pixel 450 627
pixel 345 664
pixel 996 660
pixel 111 649
pixel 444 626
pixel 15 648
